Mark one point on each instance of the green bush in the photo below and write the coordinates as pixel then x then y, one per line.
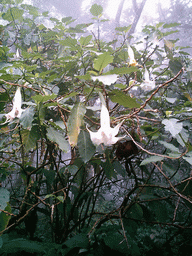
pixel 60 193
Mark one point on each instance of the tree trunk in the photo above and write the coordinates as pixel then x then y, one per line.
pixel 138 11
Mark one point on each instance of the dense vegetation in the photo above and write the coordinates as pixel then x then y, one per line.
pixel 62 195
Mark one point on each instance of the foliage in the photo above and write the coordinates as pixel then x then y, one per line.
pixel 62 195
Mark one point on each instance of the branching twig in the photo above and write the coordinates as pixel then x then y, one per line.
pixel 152 153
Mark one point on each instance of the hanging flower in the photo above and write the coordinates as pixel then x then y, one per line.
pixel 16 110
pixel 105 134
pixel 132 61
pixel 147 83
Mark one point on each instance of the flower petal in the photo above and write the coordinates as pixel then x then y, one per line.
pixel 96 137
pixel 104 119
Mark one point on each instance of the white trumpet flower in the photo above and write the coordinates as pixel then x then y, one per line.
pixel 147 83
pixel 16 110
pixel 132 61
pixel 105 134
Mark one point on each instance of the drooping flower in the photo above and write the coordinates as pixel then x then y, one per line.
pixel 16 110
pixel 105 134
pixel 132 61
pixel 147 83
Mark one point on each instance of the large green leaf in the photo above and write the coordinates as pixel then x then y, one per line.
pixel 85 40
pixel 19 245
pixel 26 118
pixel 135 212
pixel 4 198
pixel 160 210
pixel 173 126
pixel 30 137
pixel 102 61
pixel 123 70
pixel 171 25
pixel 13 13
pixel 70 42
pixel 75 122
pixel 56 136
pixel 188 157
pixel 151 159
pixel 86 147
pixel 43 98
pixel 108 167
pixel 116 242
pixel 1 242
pixel 79 240
pixel 175 66
pixel 96 10
pixel 169 146
pixel 4 218
pixel 123 99
pixel 3 98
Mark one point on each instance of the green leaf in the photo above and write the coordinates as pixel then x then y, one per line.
pixel 85 40
pixel 96 10
pixel 120 86
pixel 4 198
pixel 16 246
pixel 119 168
pixel 13 13
pixel 152 159
pixel 30 137
pixel 85 77
pixel 1 242
pixel 160 210
pixel 135 212
pixel 86 147
pixel 169 146
pixel 75 122
pixel 50 176
pixel 80 240
pixel 4 218
pixel 123 29
pixel 123 70
pixel 170 25
pixel 188 157
pixel 116 242
pixel 123 99
pixel 130 226
pixel 102 61
pixel 175 66
pixel 173 126
pixel 108 167
pixel 70 42
pixel 43 98
pixel 26 118
pixel 57 137
pixel 3 98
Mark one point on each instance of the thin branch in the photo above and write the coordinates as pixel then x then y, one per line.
pixel 156 91
pixel 152 153
pixel 171 185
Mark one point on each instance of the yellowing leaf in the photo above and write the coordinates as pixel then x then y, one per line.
pixel 74 123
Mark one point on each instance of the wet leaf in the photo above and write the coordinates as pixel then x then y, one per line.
pixel 123 99
pixel 75 122
pixel 102 61
pixel 56 136
pixel 86 147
